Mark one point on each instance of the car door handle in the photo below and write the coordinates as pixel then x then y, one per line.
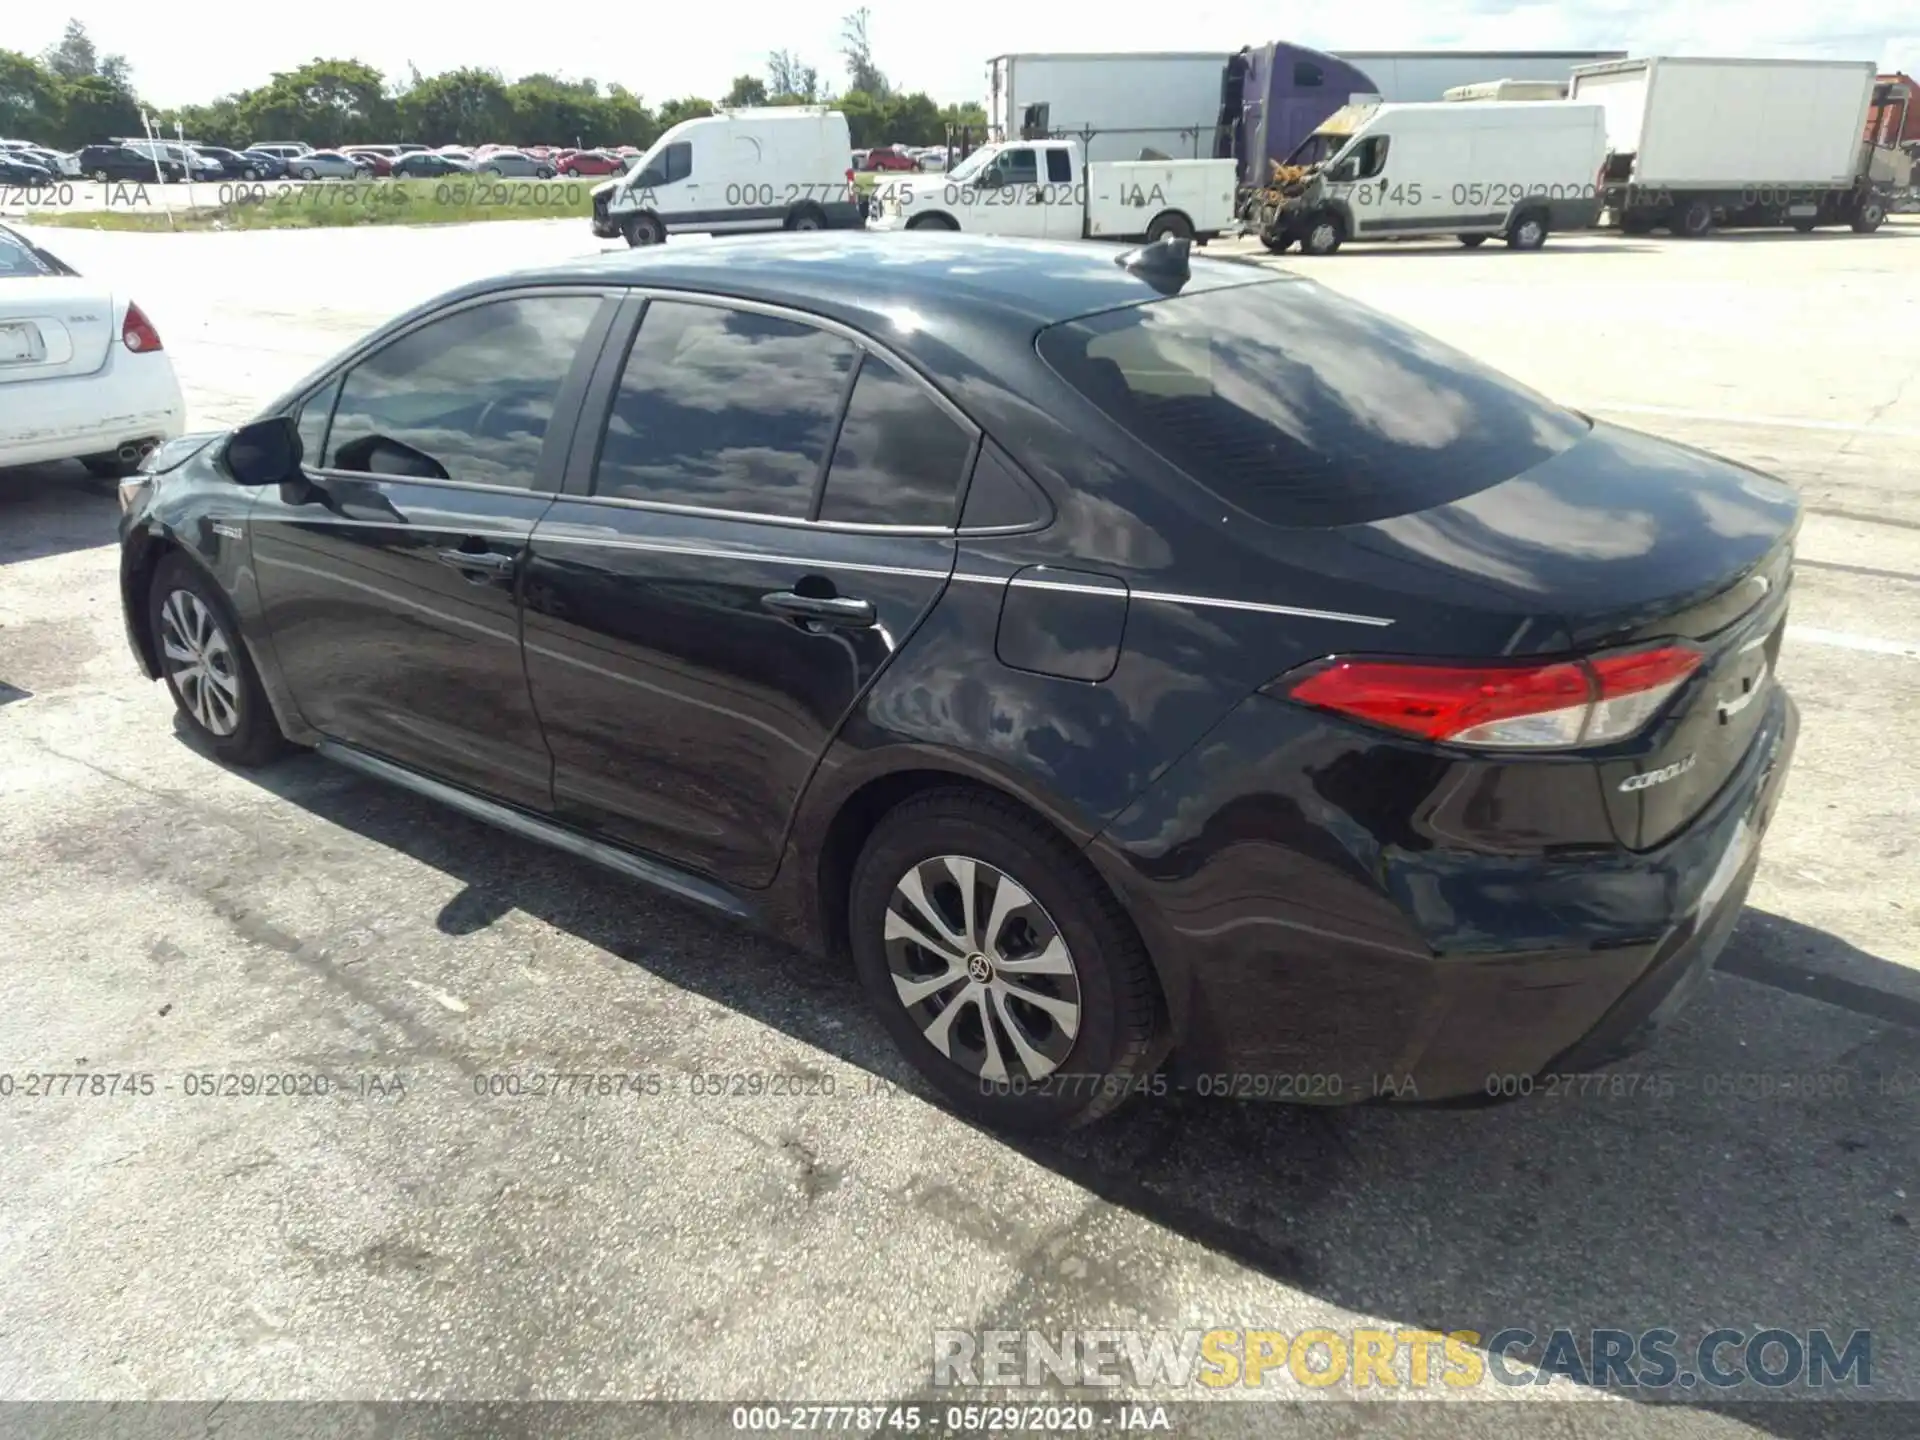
pixel 833 610
pixel 490 562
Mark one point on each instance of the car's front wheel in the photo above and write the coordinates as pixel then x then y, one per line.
pixel 1001 965
pixel 206 666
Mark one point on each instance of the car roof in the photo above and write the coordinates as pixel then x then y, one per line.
pixel 866 280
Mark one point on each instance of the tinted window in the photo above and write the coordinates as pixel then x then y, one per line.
pixel 314 415
pixel 466 397
pixel 725 409
pixel 996 499
pixel 678 160
pixel 1370 156
pixel 1059 167
pixel 899 457
pixel 1018 167
pixel 1306 74
pixel 1302 408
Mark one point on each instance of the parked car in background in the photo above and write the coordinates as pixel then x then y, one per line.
pixel 455 152
pixel 589 162
pixel 59 162
pixel 513 164
pixel 175 155
pixel 888 157
pixel 380 163
pixel 427 164
pixel 237 166
pixel 409 147
pixel 329 165
pixel 15 169
pixel 107 163
pixel 285 149
pixel 83 375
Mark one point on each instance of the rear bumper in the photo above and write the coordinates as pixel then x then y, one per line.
pixel 131 398
pixel 1293 973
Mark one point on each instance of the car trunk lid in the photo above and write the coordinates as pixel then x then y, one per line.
pixel 53 327
pixel 1621 542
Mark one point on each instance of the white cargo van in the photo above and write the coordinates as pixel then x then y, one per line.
pixel 770 168
pixel 1446 167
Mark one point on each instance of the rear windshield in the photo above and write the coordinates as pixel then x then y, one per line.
pixel 1300 408
pixel 21 260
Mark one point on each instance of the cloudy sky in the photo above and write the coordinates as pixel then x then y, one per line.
pixel 182 54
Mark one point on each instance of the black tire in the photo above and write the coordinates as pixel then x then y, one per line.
pixel 932 222
pixel 1527 232
pixel 1277 244
pixel 1323 235
pixel 249 173
pixel 255 736
pixel 307 172
pixel 1636 225
pixel 1472 242
pixel 644 229
pixel 1109 1051
pixel 100 177
pixel 1172 223
pixel 1695 220
pixel 806 217
pixel 572 173
pixel 1871 213
pixel 543 172
pixel 109 466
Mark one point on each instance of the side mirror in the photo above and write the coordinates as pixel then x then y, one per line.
pixel 267 452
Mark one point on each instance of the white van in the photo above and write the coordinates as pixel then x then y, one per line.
pixel 773 168
pixel 1447 167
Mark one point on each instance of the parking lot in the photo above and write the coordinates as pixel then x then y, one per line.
pixel 412 1236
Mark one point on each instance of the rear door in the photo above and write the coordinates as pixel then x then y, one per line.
pixel 711 596
pixel 389 575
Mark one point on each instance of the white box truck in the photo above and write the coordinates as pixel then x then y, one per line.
pixel 1696 143
pixel 1116 104
pixel 1046 189
pixel 1445 167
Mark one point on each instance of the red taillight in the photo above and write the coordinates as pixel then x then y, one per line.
pixel 1503 706
pixel 137 332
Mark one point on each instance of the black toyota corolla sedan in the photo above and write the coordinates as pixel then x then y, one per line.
pixel 1153 671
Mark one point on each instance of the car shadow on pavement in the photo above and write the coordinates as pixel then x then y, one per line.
pixel 53 509
pixel 1745 1172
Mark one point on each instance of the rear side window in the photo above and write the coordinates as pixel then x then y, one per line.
pixel 900 457
pixel 1301 408
pixel 724 409
pixel 1059 167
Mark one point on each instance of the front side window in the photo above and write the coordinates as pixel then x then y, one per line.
pixel 899 459
pixel 1370 156
pixel 1302 408
pixel 465 397
pixel 724 409
pixel 1018 167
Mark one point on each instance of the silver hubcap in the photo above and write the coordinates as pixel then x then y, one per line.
pixel 1529 234
pixel 982 969
pixel 200 662
pixel 1322 237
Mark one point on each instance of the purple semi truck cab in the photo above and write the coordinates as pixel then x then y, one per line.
pixel 1274 96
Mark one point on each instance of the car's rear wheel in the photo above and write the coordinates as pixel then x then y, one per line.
pixel 932 222
pixel 206 666
pixel 573 172
pixel 1695 221
pixel 1528 231
pixel 1000 964
pixel 645 230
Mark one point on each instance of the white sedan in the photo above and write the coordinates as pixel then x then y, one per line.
pixel 82 372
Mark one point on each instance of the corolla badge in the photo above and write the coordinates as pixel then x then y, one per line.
pixel 1660 776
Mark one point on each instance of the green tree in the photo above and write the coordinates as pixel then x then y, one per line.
pixel 29 98
pixel 857 50
pixel 691 108
pixel 789 82
pixel 746 90
pixel 464 107
pixel 93 109
pixel 550 111
pixel 74 58
pixel 324 102
pixel 625 119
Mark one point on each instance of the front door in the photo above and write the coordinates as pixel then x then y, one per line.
pixel 388 574
pixel 707 602
pixel 1009 199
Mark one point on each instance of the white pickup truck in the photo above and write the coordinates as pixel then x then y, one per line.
pixel 1045 190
